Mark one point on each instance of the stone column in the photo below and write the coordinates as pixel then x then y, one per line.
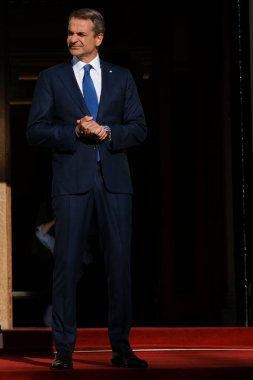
pixel 5 188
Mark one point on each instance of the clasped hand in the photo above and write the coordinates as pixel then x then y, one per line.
pixel 89 128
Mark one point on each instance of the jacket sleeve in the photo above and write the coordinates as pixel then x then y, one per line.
pixel 44 128
pixel 132 130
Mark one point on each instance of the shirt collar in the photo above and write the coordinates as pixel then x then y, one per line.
pixel 95 63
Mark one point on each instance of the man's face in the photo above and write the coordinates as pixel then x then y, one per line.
pixel 81 39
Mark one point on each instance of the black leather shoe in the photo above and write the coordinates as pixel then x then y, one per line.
pixel 128 360
pixel 63 360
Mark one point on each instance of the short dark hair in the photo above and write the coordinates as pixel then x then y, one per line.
pixel 92 14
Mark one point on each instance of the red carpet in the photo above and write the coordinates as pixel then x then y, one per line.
pixel 172 353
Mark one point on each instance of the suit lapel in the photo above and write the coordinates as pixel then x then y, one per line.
pixel 107 75
pixel 67 77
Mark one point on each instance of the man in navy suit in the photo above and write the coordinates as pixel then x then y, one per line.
pixel 90 174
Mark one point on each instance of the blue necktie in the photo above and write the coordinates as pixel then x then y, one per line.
pixel 90 96
pixel 89 92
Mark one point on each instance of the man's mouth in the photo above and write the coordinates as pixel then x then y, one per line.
pixel 74 47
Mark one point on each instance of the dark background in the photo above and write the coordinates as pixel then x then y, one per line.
pixel 192 246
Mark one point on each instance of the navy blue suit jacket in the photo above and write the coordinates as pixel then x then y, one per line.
pixel 58 103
